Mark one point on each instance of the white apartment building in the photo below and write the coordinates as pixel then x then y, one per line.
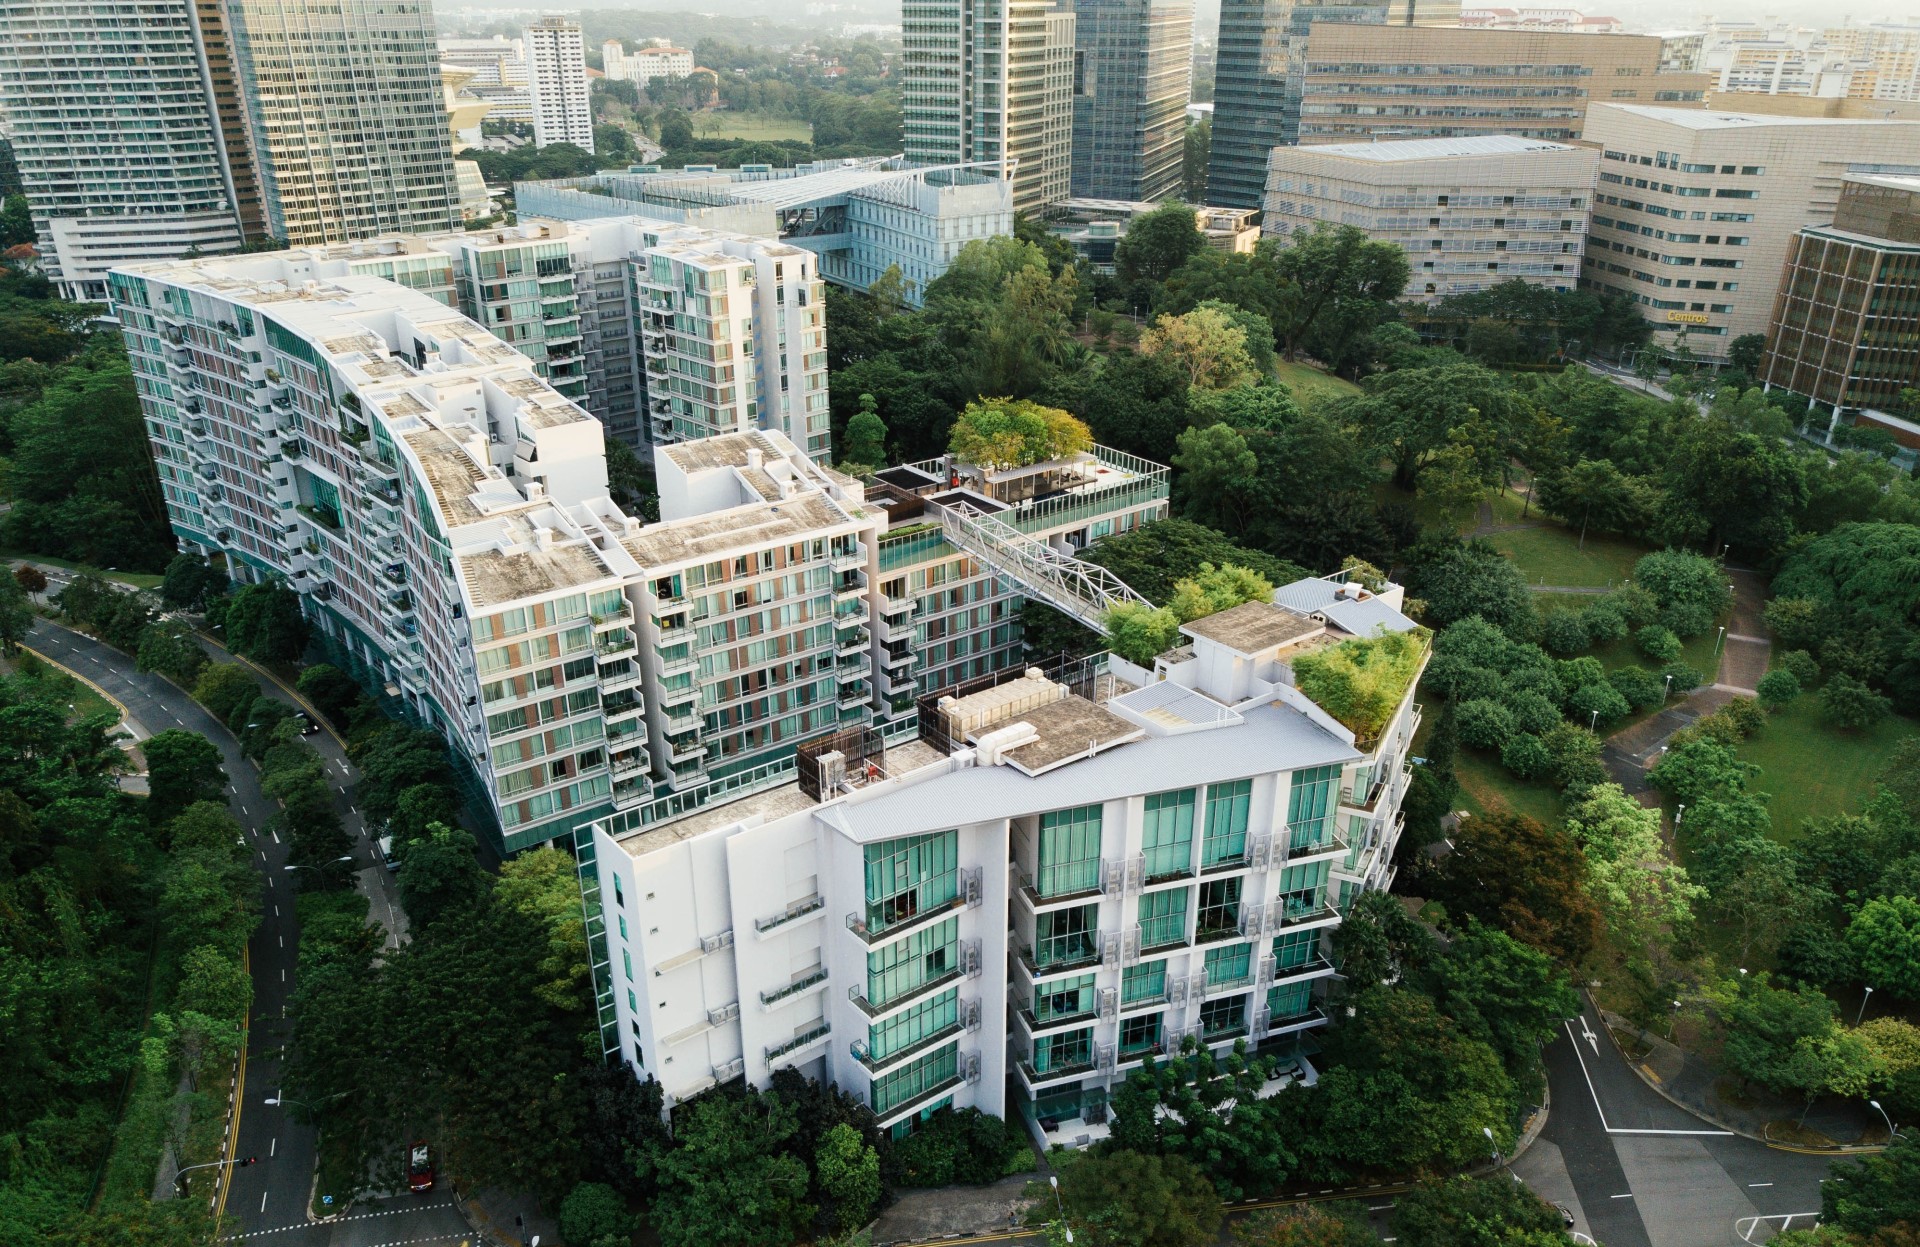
pixel 557 83
pixel 613 59
pixel 1695 208
pixel 1469 212
pixel 111 113
pixel 644 65
pixel 499 67
pixel 321 415
pixel 1011 910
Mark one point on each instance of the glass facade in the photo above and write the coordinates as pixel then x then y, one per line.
pixel 1067 936
pixel 1147 981
pixel 1230 965
pixel 916 1078
pixel 1163 918
pixel 1227 806
pixel 1069 851
pixel 905 966
pixel 1310 800
pixel 1066 998
pixel 917 1025
pixel 1065 1050
pixel 1167 834
pixel 911 876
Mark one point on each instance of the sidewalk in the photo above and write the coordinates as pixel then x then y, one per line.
pixel 1692 1084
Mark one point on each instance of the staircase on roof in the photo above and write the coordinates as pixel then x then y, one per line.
pixel 1083 590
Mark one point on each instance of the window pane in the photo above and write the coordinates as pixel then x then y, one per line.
pixel 1069 851
pixel 1163 918
pixel 1226 822
pixel 908 877
pixel 1144 982
pixel 1309 805
pixel 1168 833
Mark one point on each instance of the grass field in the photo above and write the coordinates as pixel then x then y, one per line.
pixel 751 126
pixel 81 697
pixel 139 580
pixel 1487 787
pixel 1309 384
pixel 1812 770
pixel 1552 555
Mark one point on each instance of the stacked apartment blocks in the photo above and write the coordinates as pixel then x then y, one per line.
pixel 323 416
pixel 1051 881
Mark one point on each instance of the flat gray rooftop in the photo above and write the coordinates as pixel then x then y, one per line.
pixel 1253 627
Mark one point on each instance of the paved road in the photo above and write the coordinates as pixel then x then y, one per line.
pixel 1638 1172
pixel 268 1200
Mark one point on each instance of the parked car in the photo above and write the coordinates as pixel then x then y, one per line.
pixel 386 853
pixel 419 1168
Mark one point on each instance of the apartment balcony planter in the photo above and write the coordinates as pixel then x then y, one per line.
pixel 622 614
pixel 1078 958
pixel 875 933
pixel 811 906
pixel 1036 1078
pixel 799 987
pixel 862 1053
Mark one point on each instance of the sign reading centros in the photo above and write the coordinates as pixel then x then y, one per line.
pixel 1687 318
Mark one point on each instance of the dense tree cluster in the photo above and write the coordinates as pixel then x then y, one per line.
pixel 122 926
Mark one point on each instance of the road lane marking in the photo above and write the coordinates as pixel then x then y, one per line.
pixel 273 1145
pixel 1592 1091
pixel 276 839
pixel 263 1201
pixel 1628 1195
pixel 1751 1185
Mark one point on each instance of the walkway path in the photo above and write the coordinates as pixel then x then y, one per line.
pixel 1744 656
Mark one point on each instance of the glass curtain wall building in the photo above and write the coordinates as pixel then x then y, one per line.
pixel 1132 75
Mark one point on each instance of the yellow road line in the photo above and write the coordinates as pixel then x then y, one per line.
pixel 115 702
pixel 305 706
pixel 239 1097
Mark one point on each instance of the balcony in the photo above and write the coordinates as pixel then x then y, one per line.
pixel 793 913
pixel 1266 1025
pixel 1291 911
pixel 672 631
pixel 628 763
pixel 1068 881
pixel 851 560
pixel 1061 956
pixel 803 1040
pixel 854 694
pixel 907 997
pixel 678 664
pixel 847 644
pixel 852 614
pixel 1074 1066
pixel 872 930
pixel 614 643
pixel 684 749
pixel 860 1051
pixel 1314 839
pixel 798 987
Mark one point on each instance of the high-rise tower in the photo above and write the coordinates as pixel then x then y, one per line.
pixel 992 82
pixel 557 73
pixel 348 126
pixel 1132 76
pixel 1258 76
pixel 116 134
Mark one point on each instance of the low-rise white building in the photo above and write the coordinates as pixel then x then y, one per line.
pixel 1469 212
pixel 1053 879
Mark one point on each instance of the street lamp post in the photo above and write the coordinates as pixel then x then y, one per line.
pixel 1892 1134
pixel 330 862
pixel 1053 1180
pixel 1673 1019
pixel 180 1176
pixel 1863 1006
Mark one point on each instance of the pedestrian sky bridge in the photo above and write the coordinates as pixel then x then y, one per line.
pixel 1086 591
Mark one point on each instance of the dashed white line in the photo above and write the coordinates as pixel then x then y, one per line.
pixel 273 1145
pixel 1751 1185
pixel 263 1201
pixel 283 941
pixel 1628 1195
pixel 276 837
pixel 283 974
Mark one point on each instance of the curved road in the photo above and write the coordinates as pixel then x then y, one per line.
pixel 268 1200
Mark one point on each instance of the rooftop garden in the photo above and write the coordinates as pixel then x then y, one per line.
pixel 1140 633
pixel 1361 682
pixel 1002 433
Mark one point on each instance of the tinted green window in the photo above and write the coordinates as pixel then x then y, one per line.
pixel 909 876
pixel 1147 981
pixel 915 1078
pixel 906 965
pixel 1220 905
pixel 1069 851
pixel 1309 803
pixel 1067 936
pixel 1296 949
pixel 1067 998
pixel 1066 1050
pixel 1227 806
pixel 916 1025
pixel 1230 965
pixel 1163 918
pixel 1289 1000
pixel 1167 833
pixel 1139 1034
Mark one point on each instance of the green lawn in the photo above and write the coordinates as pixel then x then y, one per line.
pixel 1813 771
pixel 750 126
pixel 1309 384
pixel 80 696
pixel 139 580
pixel 1487 787
pixel 1552 555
